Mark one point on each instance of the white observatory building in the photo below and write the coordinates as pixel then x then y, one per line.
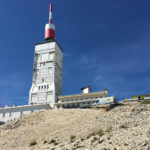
pixel 47 74
pixel 47 69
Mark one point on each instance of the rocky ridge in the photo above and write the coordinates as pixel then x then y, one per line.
pixel 125 127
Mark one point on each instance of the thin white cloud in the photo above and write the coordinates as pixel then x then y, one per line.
pixel 84 60
pixel 98 78
pixel 88 61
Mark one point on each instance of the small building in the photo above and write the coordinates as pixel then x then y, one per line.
pixel 86 89
pixel 10 113
pixel 78 100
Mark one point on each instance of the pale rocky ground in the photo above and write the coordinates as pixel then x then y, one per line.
pixel 125 127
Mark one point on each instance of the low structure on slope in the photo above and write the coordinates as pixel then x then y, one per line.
pixel 10 113
pixel 81 100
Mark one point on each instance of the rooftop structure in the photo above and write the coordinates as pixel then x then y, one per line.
pixel 86 89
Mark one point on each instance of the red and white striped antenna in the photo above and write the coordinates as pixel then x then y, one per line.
pixel 50 28
pixel 50 14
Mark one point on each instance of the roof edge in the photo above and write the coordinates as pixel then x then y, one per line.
pixel 49 41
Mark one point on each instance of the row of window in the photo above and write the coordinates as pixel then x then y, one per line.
pixel 44 57
pixel 44 71
pixel 43 87
pixel 43 64
pixel 76 104
pixel 82 99
pixel 10 114
pixel 46 79
pixel 41 95
pixel 47 56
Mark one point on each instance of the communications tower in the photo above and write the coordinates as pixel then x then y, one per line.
pixel 47 69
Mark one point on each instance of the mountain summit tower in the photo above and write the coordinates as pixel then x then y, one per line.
pixel 47 69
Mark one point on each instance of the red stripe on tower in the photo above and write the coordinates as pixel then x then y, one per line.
pixel 50 28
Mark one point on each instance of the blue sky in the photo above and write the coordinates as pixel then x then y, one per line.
pixel 106 44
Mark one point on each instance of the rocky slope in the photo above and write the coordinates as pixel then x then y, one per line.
pixel 125 127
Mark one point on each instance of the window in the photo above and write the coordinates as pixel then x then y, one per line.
pixel 34 97
pixel 50 92
pixel 44 71
pixel 3 115
pixel 51 55
pixel 38 57
pixel 42 96
pixel 10 114
pixel 21 113
pixel 97 101
pixel 50 71
pixel 44 57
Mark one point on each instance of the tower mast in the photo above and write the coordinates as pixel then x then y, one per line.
pixel 50 28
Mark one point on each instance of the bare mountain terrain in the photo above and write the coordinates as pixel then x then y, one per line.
pixel 125 127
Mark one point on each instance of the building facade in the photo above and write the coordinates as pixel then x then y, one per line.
pixel 81 100
pixel 10 113
pixel 47 74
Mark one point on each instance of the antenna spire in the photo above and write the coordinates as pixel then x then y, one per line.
pixel 50 28
pixel 50 14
